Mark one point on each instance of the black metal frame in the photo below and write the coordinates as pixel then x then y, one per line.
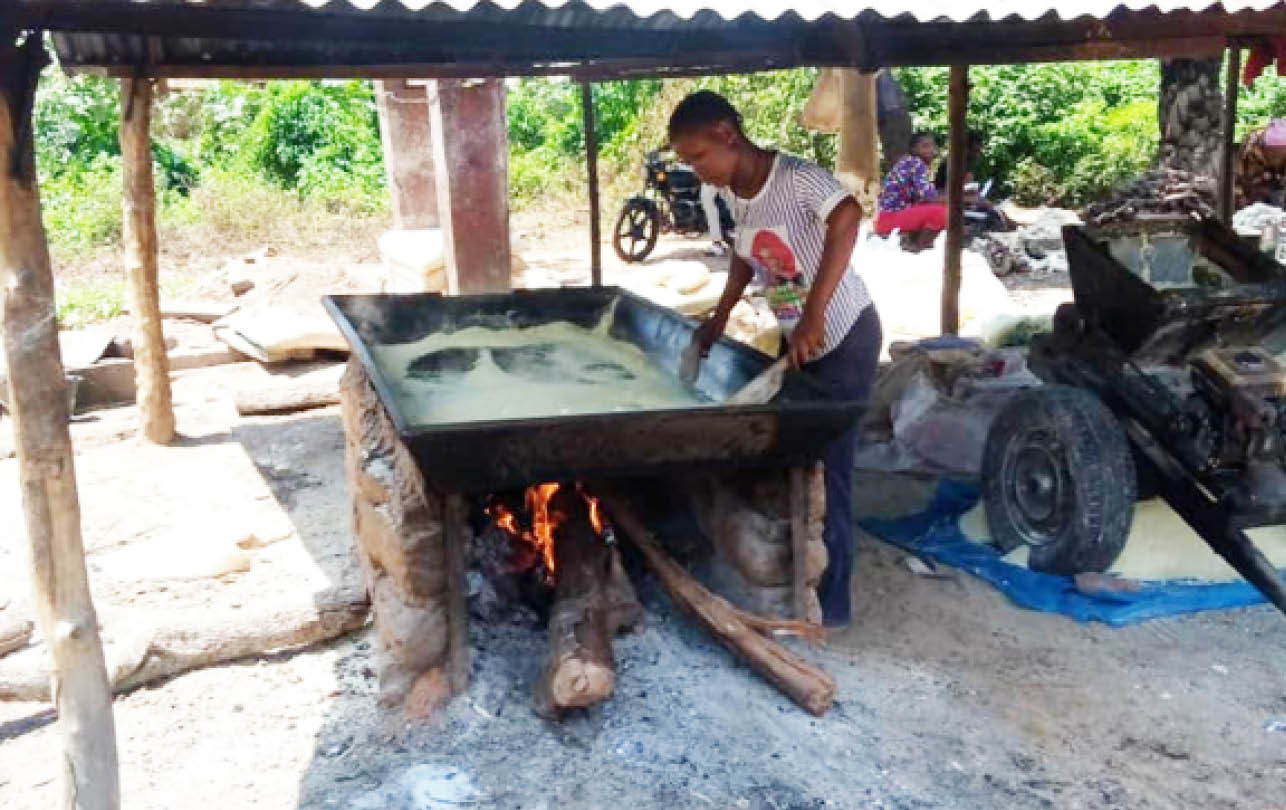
pixel 1119 318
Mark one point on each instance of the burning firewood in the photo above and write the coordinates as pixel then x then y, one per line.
pixel 806 684
pixel 593 601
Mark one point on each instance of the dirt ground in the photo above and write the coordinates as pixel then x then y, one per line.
pixel 949 696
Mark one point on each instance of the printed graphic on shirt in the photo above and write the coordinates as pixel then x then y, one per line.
pixel 777 270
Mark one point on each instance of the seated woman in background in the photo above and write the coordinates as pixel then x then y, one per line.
pixel 909 202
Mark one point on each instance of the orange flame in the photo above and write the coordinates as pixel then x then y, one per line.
pixel 596 515
pixel 544 521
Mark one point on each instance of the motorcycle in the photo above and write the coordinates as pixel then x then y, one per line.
pixel 670 202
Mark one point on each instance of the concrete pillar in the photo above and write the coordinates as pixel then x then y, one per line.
pixel 471 151
pixel 407 137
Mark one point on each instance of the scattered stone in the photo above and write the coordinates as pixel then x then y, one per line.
pixel 240 272
pixel 1044 235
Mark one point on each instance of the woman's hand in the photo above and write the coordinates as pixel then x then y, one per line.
pixel 807 339
pixel 739 275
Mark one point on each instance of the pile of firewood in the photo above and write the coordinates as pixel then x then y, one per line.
pixel 594 600
pixel 1157 193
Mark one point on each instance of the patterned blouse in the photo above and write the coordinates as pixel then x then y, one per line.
pixel 908 183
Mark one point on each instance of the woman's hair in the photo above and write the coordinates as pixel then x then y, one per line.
pixel 916 137
pixel 702 109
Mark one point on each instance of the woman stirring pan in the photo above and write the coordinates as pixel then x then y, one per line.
pixel 796 226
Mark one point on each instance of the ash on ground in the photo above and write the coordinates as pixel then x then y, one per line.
pixel 948 697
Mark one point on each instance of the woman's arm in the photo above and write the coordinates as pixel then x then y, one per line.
pixel 739 275
pixel 841 233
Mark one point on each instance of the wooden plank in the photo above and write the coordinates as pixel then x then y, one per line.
pixel 46 467
pixel 1226 158
pixel 286 399
pixel 457 540
pixel 958 105
pixel 138 235
pixel 591 163
pixel 799 507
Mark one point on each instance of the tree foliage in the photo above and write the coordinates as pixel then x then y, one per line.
pixel 1056 133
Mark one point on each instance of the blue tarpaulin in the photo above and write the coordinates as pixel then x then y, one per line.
pixel 935 533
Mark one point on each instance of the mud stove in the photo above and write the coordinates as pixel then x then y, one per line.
pixel 452 495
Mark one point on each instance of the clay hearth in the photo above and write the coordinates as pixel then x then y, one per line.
pixel 415 542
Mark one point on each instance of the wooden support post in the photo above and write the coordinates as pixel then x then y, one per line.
pixel 591 162
pixel 151 365
pixel 46 468
pixel 858 163
pixel 956 158
pixel 1227 157
pixel 457 559
pixel 471 163
pixel 799 543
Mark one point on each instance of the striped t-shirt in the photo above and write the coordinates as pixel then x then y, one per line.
pixel 781 232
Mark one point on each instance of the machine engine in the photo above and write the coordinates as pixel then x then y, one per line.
pixel 1235 418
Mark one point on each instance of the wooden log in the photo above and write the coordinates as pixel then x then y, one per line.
pixel 138 234
pixel 592 602
pixel 956 157
pixel 14 633
pixel 46 467
pixel 806 684
pixel 183 640
pixel 287 399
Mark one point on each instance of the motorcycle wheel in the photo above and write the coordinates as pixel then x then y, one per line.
pixel 637 229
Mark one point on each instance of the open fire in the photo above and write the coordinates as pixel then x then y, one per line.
pixel 545 519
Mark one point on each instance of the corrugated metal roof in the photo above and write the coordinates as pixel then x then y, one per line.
pixel 598 38
pixel 810 10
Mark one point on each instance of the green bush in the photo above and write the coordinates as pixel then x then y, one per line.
pixel 75 122
pixel 82 208
pixel 302 124
pixel 1056 133
pixel 1260 103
